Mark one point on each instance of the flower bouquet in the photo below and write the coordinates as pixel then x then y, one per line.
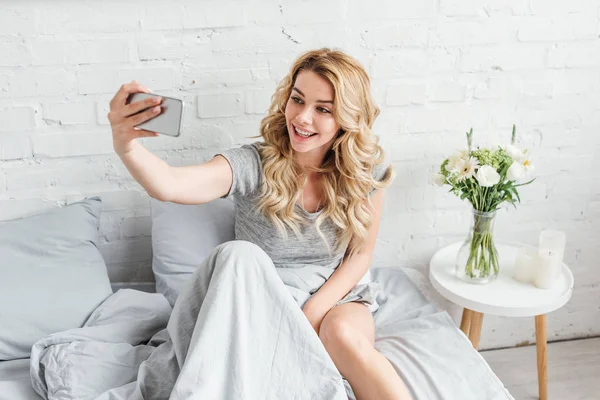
pixel 486 177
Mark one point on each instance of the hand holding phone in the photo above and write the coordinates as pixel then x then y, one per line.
pixel 167 121
pixel 127 119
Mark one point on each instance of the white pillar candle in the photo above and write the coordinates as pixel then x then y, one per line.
pixel 547 269
pixel 525 264
pixel 554 240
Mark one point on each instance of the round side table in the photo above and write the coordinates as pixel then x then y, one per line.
pixel 504 296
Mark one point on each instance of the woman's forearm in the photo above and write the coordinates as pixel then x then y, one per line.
pixel 152 173
pixel 345 277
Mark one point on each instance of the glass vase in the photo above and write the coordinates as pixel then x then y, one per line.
pixel 477 259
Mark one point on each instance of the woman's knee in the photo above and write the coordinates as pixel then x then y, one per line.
pixel 249 253
pixel 338 335
pixel 236 247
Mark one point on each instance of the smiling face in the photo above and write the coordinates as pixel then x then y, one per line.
pixel 311 125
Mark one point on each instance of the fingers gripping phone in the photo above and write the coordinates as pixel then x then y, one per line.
pixel 168 122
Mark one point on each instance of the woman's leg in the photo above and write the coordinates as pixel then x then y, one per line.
pixel 348 334
pixel 238 334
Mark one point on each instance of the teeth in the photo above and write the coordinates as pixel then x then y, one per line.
pixel 303 133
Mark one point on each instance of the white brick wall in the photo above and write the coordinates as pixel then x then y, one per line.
pixel 438 68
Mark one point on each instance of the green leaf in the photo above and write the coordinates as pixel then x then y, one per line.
pixel 526 183
pixel 516 194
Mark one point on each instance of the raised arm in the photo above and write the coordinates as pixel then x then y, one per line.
pixel 185 185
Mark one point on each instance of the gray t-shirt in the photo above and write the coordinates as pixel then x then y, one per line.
pixel 252 226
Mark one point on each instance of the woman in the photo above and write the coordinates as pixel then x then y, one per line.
pixel 310 195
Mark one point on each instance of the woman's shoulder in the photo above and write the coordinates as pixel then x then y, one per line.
pixel 380 170
pixel 254 146
pixel 247 152
pixel 246 167
pixel 253 149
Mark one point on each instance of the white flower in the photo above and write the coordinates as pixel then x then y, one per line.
pixel 438 179
pixel 529 169
pixel 527 165
pixel 520 169
pixel 516 153
pixel 515 172
pixel 465 168
pixel 455 158
pixel 487 176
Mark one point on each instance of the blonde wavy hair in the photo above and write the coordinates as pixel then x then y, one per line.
pixel 346 172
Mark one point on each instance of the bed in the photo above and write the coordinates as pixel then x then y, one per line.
pixel 432 355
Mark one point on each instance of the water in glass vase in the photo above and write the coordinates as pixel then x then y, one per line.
pixel 477 259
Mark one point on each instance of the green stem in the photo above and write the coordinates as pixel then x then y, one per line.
pixel 482 260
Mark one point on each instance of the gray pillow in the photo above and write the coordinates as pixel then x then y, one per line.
pixel 183 236
pixel 52 275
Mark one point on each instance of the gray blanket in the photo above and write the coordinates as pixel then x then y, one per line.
pixel 237 333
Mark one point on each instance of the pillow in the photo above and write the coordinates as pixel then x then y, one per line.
pixel 183 236
pixel 52 275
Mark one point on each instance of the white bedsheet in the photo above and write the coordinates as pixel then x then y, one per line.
pixel 15 383
pixel 432 356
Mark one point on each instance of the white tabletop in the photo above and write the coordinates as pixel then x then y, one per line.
pixel 503 296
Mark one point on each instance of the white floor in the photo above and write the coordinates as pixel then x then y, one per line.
pixel 573 370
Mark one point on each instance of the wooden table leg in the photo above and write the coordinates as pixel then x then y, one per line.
pixel 465 322
pixel 475 329
pixel 540 343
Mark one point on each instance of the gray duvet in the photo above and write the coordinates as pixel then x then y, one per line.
pixel 236 333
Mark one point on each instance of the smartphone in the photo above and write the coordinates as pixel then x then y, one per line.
pixel 168 122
